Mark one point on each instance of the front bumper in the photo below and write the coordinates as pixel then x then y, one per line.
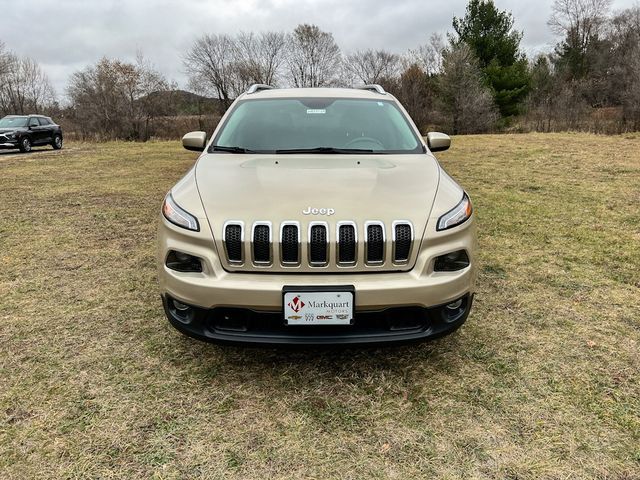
pixel 241 325
pixel 9 144
pixel 384 300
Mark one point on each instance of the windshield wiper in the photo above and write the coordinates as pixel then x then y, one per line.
pixel 222 148
pixel 325 150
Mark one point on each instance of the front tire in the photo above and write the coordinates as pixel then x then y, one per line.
pixel 57 142
pixel 25 145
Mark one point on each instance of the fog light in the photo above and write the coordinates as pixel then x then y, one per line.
pixel 452 262
pixel 455 305
pixel 454 311
pixel 183 262
pixel 181 307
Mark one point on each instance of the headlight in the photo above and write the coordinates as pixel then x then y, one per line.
pixel 177 215
pixel 10 135
pixel 457 215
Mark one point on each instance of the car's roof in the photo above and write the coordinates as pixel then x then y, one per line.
pixel 28 115
pixel 317 92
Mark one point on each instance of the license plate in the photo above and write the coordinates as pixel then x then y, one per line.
pixel 318 307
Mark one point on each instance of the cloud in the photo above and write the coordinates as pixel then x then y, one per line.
pixel 67 35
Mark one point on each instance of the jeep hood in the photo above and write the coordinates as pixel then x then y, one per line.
pixel 278 188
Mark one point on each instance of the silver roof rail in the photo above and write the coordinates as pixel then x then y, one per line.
pixel 374 87
pixel 256 87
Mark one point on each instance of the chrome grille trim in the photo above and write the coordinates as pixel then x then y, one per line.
pixel 394 226
pixel 240 224
pixel 297 225
pixel 326 230
pixel 367 242
pixel 273 249
pixel 262 263
pixel 338 243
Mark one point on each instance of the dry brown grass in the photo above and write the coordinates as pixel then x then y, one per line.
pixel 542 382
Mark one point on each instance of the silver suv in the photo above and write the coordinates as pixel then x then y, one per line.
pixel 316 216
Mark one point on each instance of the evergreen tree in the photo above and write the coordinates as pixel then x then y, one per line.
pixel 489 33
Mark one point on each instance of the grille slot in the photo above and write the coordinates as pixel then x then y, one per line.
pixel 402 239
pixel 347 241
pixel 290 244
pixel 318 255
pixel 375 243
pixel 233 242
pixel 261 243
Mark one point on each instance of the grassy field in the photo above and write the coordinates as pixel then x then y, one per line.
pixel 542 381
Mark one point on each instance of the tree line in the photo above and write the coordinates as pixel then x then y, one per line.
pixel 475 79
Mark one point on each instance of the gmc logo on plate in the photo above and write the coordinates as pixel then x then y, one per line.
pixel 318 211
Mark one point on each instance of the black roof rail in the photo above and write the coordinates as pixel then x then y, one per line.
pixel 256 87
pixel 373 87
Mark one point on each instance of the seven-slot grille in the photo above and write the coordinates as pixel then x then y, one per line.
pixel 318 245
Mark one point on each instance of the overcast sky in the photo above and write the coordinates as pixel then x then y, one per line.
pixel 66 35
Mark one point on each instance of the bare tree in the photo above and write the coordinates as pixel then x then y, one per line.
pixel 582 19
pixel 96 101
pixel 260 56
pixel 466 101
pixel 151 96
pixel 24 87
pixel 373 66
pixel 40 92
pixel 4 70
pixel 115 99
pixel 211 63
pixel 579 22
pixel 624 59
pixel 225 66
pixel 427 56
pixel 314 57
pixel 272 53
pixel 554 102
pixel 416 91
pixel 631 95
pixel 3 60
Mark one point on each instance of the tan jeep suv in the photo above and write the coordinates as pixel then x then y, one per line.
pixel 316 216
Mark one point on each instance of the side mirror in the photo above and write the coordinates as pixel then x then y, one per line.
pixel 437 142
pixel 195 141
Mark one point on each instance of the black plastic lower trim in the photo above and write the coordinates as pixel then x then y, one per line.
pixel 241 325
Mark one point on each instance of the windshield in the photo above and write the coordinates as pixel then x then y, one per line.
pixel 317 125
pixel 9 122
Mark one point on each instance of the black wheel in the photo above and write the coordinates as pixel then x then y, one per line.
pixel 25 145
pixel 57 142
